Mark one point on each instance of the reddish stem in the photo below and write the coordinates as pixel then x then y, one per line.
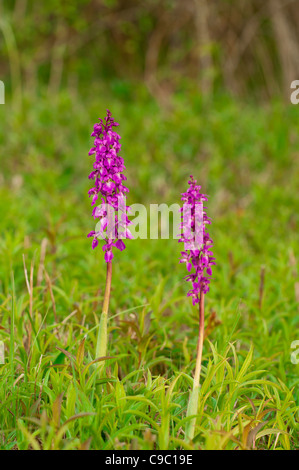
pixel 200 341
pixel 108 288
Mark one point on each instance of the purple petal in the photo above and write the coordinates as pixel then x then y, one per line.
pixel 95 243
pixel 120 245
pixel 108 256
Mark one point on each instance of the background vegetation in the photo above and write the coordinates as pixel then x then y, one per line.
pixel 197 88
pixel 247 46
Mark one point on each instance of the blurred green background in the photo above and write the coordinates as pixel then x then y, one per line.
pixel 198 88
pixel 246 47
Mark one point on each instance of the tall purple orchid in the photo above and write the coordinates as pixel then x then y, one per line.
pixel 110 191
pixel 109 188
pixel 199 261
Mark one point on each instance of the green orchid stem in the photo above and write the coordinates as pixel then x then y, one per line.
pixel 108 288
pixel 200 341
pixel 192 409
pixel 101 349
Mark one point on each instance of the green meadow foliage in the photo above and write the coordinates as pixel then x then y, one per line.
pixel 51 283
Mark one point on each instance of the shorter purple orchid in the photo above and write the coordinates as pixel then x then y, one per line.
pixel 200 260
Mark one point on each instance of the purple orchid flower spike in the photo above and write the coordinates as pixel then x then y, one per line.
pixel 199 260
pixel 109 189
pixel 111 213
